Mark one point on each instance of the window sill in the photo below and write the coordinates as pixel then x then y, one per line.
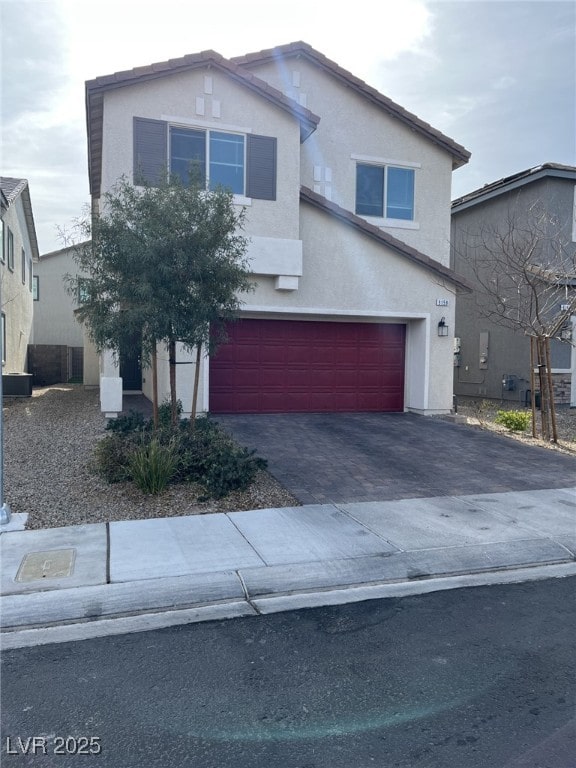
pixel 391 223
pixel 241 200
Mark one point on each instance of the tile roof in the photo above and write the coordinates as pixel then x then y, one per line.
pixel 459 153
pixel 95 89
pixel 11 189
pixel 383 238
pixel 509 183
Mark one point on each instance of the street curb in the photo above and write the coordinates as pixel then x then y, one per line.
pixel 145 621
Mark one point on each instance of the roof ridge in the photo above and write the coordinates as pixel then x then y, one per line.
pixel 458 151
pixel 12 187
pixel 507 181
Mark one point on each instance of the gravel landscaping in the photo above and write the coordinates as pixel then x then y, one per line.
pixel 49 441
pixel 48 444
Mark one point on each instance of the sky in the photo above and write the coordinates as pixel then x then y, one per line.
pixel 498 76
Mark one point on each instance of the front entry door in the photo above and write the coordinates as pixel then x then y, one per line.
pixel 131 367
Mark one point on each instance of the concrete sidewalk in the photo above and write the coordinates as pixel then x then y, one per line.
pixel 70 583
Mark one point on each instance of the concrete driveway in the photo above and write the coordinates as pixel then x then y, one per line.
pixel 343 458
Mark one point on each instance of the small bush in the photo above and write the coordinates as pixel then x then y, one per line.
pixel 152 466
pixel 165 413
pixel 132 422
pixel 209 456
pixel 515 421
pixel 112 455
pixel 230 468
pixel 152 459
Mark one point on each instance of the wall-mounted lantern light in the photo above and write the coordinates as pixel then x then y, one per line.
pixel 442 327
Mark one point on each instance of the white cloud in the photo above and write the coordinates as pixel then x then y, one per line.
pixel 504 82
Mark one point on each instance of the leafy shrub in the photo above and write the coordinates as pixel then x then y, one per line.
pixel 152 465
pixel 210 456
pixel 515 421
pixel 152 459
pixel 112 456
pixel 165 413
pixel 131 422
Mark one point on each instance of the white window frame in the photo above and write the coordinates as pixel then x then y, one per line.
pixel 385 163
pixel 207 129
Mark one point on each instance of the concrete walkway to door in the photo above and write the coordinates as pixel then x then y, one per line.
pixel 344 458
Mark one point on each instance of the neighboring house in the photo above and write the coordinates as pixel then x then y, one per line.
pixel 348 215
pixel 19 253
pixel 57 354
pixel 490 360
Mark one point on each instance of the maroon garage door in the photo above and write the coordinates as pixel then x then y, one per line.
pixel 279 366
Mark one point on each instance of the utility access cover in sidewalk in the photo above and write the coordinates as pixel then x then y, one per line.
pixel 51 564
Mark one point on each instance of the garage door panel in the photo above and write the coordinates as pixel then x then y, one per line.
pixel 291 365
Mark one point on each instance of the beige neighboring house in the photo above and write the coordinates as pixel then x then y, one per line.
pixel 347 197
pixel 58 352
pixel 19 254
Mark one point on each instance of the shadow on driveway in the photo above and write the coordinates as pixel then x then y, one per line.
pixel 342 458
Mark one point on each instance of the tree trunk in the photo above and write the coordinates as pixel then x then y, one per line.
pixel 155 385
pixel 196 383
pixel 533 385
pixel 551 391
pixel 543 381
pixel 172 360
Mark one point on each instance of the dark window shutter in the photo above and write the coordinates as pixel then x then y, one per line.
pixel 261 167
pixel 150 150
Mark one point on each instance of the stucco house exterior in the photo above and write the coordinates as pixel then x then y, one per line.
pixel 492 361
pixel 19 253
pixel 347 198
pixel 57 354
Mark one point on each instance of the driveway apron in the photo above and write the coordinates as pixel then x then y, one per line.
pixel 343 458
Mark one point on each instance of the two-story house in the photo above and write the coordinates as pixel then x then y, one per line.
pixel 19 252
pixel 537 208
pixel 348 218
pixel 58 349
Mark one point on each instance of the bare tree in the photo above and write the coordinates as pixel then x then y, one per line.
pixel 525 274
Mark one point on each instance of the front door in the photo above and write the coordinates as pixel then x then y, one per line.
pixel 131 366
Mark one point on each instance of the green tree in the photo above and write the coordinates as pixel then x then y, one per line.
pixel 166 263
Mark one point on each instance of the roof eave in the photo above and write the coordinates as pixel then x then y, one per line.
pixel 510 183
pixel 96 88
pixel 459 153
pixel 384 239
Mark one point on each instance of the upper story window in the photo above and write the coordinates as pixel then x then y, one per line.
pixel 10 248
pixel 212 155
pixel 83 294
pixel 35 288
pixel 385 191
pixel 23 256
pixel 243 163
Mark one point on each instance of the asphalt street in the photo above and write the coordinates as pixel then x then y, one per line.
pixel 474 678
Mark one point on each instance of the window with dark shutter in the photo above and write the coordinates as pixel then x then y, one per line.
pixel 150 150
pixel 261 167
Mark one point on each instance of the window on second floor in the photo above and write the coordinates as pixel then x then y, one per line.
pixel 35 288
pixel 243 163
pixel 83 291
pixel 23 257
pixel 30 276
pixel 10 248
pixel 385 191
pixel 212 155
